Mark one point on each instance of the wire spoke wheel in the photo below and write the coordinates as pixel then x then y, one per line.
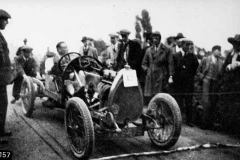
pixel 165 126
pixel 27 96
pixel 79 128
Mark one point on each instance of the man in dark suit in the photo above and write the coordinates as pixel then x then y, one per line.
pixel 129 53
pixel 208 72
pixel 5 67
pixel 25 64
pixel 185 65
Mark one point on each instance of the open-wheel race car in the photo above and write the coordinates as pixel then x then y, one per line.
pixel 100 101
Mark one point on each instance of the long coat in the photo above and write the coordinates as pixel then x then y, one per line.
pixel 159 66
pixel 5 64
pixel 91 52
pixel 5 78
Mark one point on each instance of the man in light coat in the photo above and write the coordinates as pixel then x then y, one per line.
pixel 158 66
pixel 110 55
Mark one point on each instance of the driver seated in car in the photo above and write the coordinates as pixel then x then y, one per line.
pixel 51 68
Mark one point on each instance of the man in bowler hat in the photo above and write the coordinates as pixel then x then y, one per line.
pixel 87 50
pixel 232 62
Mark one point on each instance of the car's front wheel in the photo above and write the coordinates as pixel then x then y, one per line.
pixel 79 128
pixel 164 124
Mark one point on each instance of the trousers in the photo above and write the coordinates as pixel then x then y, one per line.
pixel 17 86
pixel 208 100
pixel 3 107
pixel 184 95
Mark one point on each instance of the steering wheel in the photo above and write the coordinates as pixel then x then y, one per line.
pixel 65 59
pixel 84 62
pixel 88 62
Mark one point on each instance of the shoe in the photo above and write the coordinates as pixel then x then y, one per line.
pixel 5 134
pixel 190 124
pixel 3 141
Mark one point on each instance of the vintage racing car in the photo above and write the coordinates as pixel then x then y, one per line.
pixel 104 102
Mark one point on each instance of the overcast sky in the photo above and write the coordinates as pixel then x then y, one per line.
pixel 46 22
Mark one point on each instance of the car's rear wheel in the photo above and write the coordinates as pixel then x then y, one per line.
pixel 79 128
pixel 27 96
pixel 164 126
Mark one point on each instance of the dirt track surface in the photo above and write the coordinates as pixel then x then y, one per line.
pixel 43 137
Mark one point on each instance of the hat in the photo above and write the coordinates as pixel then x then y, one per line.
pixel 113 35
pixel 235 40
pixel 179 36
pixel 156 33
pixel 186 40
pixel 216 47
pixel 124 32
pixel 84 39
pixel 90 39
pixel 4 14
pixel 26 48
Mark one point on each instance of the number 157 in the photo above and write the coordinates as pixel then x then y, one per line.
pixel 4 154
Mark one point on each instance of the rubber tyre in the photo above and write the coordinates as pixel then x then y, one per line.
pixel 177 120
pixel 89 139
pixel 28 104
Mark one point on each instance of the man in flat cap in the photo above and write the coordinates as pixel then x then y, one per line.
pixel 110 55
pixel 129 53
pixel 158 66
pixel 5 71
pixel 208 73
pixel 25 64
pixel 87 50
pixel 185 67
